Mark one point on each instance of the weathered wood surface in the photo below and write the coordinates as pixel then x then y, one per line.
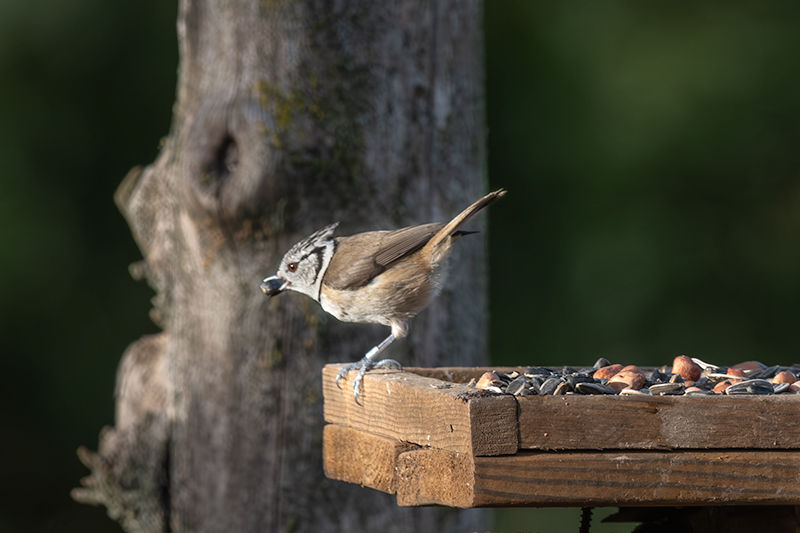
pixel 424 411
pixel 407 406
pixel 629 478
pixel 289 116
pixel 416 475
pixel 659 422
pixel 427 476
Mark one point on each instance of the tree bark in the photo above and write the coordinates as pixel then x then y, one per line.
pixel 289 116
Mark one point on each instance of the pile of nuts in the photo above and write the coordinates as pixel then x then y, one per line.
pixel 687 376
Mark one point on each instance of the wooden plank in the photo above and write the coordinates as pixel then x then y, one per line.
pixel 659 422
pixel 361 457
pixel 418 476
pixel 624 478
pixel 424 411
pixel 427 476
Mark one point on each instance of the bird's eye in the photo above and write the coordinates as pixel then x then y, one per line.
pixel 291 267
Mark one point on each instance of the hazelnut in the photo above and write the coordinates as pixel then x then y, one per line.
pixel 633 368
pixel 736 372
pixel 721 386
pixel 607 371
pixel 686 368
pixel 486 380
pixel 784 377
pixel 626 380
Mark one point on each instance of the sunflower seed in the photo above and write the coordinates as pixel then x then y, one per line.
pixel 633 392
pixel 661 389
pixel 751 386
pixel 538 371
pixel 519 384
pixel 574 379
pixel 600 363
pixel 562 389
pixel 766 373
pixel 657 376
pixel 781 387
pixel 594 388
pixel 704 365
pixel 549 386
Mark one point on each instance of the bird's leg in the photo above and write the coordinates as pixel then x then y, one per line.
pixel 367 363
pixel 377 350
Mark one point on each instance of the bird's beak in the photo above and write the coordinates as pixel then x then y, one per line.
pixel 274 285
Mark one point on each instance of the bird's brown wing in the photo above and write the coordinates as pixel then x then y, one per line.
pixel 399 243
pixel 361 257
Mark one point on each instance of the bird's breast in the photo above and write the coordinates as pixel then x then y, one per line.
pixel 398 293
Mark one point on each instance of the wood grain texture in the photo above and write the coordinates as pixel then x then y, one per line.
pixel 626 478
pixel 361 457
pixel 659 422
pixel 429 476
pixel 416 475
pixel 290 116
pixel 424 411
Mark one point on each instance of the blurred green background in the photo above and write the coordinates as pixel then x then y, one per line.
pixel 651 150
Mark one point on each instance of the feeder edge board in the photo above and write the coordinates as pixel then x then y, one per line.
pixel 426 476
pixel 424 411
pixel 659 422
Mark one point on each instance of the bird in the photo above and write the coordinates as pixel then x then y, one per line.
pixel 377 277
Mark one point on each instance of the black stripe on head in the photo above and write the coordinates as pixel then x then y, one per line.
pixel 320 236
pixel 318 253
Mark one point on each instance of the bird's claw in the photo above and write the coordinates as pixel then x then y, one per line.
pixel 363 366
pixel 347 368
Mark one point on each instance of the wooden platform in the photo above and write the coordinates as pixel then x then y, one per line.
pixel 431 441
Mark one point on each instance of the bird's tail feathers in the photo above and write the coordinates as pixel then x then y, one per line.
pixel 451 229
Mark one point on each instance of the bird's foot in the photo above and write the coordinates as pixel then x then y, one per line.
pixel 363 366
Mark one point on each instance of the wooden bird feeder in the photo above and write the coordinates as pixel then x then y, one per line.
pixel 422 435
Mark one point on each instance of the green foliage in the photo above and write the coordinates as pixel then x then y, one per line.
pixel 86 89
pixel 651 154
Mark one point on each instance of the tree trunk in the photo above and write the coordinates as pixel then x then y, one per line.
pixel 289 116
